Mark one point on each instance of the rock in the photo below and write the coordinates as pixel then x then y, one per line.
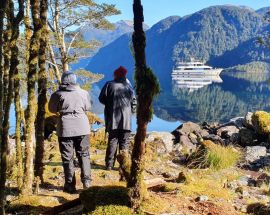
pixel 187 145
pixel 166 138
pixel 193 138
pixel 263 179
pixel 247 137
pixel 202 199
pixel 254 153
pixel 261 122
pixel 248 120
pixel 239 190
pixel 214 138
pixel 168 175
pixel 243 181
pixel 238 121
pixel 187 128
pixel 227 131
pixel 181 178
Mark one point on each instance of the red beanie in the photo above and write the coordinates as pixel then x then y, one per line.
pixel 120 72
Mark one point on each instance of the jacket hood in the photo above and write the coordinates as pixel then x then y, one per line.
pixel 68 78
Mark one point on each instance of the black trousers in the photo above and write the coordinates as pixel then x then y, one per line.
pixel 80 145
pixel 116 138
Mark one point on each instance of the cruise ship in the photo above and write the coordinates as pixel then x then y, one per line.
pixel 195 68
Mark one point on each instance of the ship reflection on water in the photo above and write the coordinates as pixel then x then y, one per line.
pixel 195 81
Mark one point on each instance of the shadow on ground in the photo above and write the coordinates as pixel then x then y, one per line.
pixel 258 209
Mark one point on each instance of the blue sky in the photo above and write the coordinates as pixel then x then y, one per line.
pixel 155 10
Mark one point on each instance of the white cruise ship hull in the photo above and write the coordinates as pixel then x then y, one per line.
pixel 210 72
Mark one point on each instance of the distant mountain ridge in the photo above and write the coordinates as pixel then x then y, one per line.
pixel 220 35
pixel 105 37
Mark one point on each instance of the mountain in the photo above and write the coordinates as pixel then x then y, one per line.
pixel 263 11
pixel 216 35
pixel 105 37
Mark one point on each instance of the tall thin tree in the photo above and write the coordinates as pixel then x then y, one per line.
pixel 42 92
pixel 147 87
pixel 31 90
pixel 2 14
pixel 14 62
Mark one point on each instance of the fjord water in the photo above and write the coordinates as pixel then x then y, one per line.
pixel 235 95
pixel 238 93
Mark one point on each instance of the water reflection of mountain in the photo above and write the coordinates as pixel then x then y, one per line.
pixel 238 94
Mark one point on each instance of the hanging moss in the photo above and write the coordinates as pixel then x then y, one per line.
pixel 147 83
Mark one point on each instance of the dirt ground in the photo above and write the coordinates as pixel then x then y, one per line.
pixel 172 199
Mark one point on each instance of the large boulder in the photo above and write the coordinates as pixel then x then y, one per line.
pixel 255 153
pixel 228 132
pixel 261 122
pixel 187 128
pixel 166 138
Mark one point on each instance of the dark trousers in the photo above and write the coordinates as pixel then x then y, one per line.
pixel 81 146
pixel 116 138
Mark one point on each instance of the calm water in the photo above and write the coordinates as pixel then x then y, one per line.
pixel 214 99
pixel 202 99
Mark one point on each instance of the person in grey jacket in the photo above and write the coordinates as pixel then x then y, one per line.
pixel 120 102
pixel 73 129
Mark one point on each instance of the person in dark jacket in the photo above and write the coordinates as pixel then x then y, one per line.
pixel 120 102
pixel 73 129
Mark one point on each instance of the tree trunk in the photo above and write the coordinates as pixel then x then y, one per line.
pixel 60 35
pixel 31 106
pixel 6 54
pixel 55 66
pixel 17 100
pixel 42 93
pixel 2 191
pixel 2 13
pixel 147 88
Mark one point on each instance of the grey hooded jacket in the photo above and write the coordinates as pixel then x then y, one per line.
pixel 120 102
pixel 71 102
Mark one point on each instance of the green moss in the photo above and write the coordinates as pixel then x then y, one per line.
pixel 113 196
pixel 112 210
pixel 147 83
pixel 261 122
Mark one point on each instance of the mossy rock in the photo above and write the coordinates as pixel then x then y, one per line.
pixel 261 122
pixel 108 198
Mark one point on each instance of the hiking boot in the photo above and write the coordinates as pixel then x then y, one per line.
pixel 86 185
pixel 109 168
pixel 69 188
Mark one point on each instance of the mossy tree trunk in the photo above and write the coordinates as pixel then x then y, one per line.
pixel 147 88
pixel 31 106
pixel 6 54
pixel 14 62
pixel 2 13
pixel 42 93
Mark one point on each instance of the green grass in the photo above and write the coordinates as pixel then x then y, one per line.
pixel 215 156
